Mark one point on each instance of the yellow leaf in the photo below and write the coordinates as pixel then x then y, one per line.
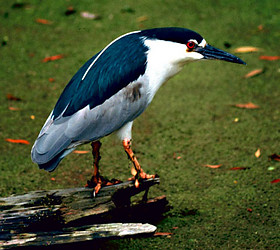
pixel 212 166
pixel 246 49
pixel 258 153
pixel 254 72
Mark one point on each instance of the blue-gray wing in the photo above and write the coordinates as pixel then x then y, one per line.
pixel 98 100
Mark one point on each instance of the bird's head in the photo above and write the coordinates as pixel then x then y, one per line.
pixel 202 50
pixel 186 45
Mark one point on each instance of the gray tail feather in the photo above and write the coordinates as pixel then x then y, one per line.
pixel 53 163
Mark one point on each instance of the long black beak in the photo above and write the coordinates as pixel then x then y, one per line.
pixel 210 52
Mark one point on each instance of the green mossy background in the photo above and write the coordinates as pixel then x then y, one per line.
pixel 191 116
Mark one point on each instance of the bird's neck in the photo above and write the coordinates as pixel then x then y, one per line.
pixel 161 65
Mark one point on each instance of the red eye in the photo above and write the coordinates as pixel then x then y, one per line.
pixel 191 44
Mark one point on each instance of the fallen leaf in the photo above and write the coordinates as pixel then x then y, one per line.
pixel 20 141
pixel 176 157
pixel 269 58
pixel 162 234
pixel 43 21
pixel 275 157
pixel 246 49
pixel 14 108
pixel 238 168
pixel 248 105
pixel 271 168
pixel 52 179
pixel 258 153
pixel 51 79
pixel 12 97
pixel 212 166
pixel 250 210
pixel 275 181
pixel 88 15
pixel 175 227
pixel 236 119
pixel 80 151
pixel 32 117
pixel 142 19
pixel 254 72
pixel 52 58
pixel 260 27
pixel 70 10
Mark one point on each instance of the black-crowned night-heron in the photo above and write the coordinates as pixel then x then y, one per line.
pixel 113 88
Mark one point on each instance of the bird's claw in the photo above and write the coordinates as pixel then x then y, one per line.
pixel 97 184
pixel 141 176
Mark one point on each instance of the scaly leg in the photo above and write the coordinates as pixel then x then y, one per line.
pixel 132 157
pixel 96 180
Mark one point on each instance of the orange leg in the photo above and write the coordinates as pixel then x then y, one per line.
pixel 132 157
pixel 96 179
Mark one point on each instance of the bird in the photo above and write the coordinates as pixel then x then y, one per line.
pixel 112 89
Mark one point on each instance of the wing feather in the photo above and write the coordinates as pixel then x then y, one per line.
pixel 89 107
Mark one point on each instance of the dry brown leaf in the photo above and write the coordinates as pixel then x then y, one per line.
pixel 142 19
pixel 162 234
pixel 275 157
pixel 254 72
pixel 212 166
pixel 70 10
pixel 260 27
pixel 248 105
pixel 12 97
pixel 270 58
pixel 20 141
pixel 239 168
pixel 52 58
pixel 14 108
pixel 43 21
pixel 246 49
pixel 80 151
pixel 258 153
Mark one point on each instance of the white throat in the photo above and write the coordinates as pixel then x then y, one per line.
pixel 164 60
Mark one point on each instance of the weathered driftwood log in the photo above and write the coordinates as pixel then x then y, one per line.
pixel 50 213
pixel 77 234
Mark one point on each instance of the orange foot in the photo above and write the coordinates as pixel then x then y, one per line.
pixel 97 182
pixel 141 175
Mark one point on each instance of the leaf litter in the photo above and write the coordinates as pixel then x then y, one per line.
pixel 253 73
pixel 19 141
pixel 248 105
